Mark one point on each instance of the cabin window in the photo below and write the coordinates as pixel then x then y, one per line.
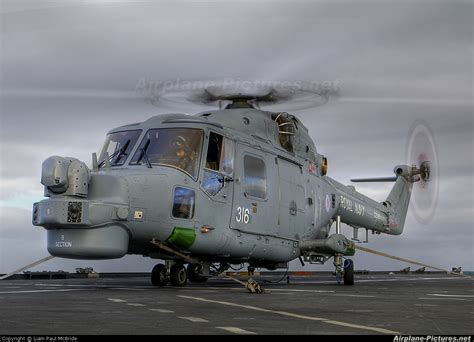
pixel 183 203
pixel 219 163
pixel 255 179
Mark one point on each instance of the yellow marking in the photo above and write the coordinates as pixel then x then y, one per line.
pixel 289 314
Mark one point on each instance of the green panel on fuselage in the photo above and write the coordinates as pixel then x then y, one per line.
pixel 182 237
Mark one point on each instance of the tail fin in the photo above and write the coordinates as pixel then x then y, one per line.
pixel 397 202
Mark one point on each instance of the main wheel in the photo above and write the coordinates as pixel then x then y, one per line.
pixel 178 275
pixel 159 276
pixel 193 275
pixel 348 272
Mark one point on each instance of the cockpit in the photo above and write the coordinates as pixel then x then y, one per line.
pixel 179 148
pixel 174 147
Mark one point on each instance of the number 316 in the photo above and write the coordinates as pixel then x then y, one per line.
pixel 243 215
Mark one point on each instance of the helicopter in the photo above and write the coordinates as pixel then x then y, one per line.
pixel 220 188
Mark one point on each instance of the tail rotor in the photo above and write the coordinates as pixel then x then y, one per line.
pixel 421 152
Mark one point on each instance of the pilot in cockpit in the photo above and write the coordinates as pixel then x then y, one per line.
pixel 184 154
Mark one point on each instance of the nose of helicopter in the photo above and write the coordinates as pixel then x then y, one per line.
pixel 92 227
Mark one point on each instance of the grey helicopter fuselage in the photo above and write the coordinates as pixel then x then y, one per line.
pixel 253 189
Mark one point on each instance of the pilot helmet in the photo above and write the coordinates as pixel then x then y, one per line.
pixel 180 143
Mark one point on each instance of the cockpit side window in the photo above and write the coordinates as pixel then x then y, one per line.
pixel 219 163
pixel 214 151
pixel 226 164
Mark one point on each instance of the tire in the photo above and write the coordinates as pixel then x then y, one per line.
pixel 178 275
pixel 348 272
pixel 159 276
pixel 193 276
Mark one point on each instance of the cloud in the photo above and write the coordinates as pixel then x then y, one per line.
pixel 69 71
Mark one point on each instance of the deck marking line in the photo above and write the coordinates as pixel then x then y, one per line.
pixel 448 295
pixel 289 314
pixel 117 300
pixel 436 298
pixel 426 305
pixel 237 330
pixel 37 291
pixel 195 319
pixel 161 310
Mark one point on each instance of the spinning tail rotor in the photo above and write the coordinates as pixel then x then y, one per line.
pixel 421 170
pixel 421 151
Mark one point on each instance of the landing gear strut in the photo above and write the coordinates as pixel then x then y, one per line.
pixel 344 270
pixel 338 266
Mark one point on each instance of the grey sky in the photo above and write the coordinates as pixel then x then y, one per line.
pixel 69 70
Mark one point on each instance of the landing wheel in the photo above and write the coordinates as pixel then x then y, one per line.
pixel 348 272
pixel 159 275
pixel 178 275
pixel 193 275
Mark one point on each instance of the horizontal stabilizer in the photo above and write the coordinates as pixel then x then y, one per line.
pixel 379 179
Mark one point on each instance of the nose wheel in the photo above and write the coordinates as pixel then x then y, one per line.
pixel 178 275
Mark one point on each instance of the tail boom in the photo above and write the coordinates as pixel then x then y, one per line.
pixel 360 211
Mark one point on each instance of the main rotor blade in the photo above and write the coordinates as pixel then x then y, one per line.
pixel 375 179
pixel 373 251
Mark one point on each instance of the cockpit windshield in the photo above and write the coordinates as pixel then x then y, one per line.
pixel 118 145
pixel 175 147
